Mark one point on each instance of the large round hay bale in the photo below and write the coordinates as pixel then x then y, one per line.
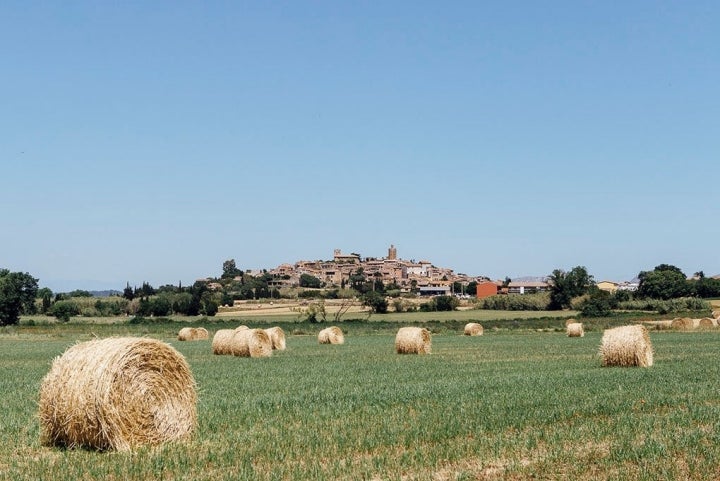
pixel 682 323
pixel 569 321
pixel 473 329
pixel 716 314
pixel 277 336
pixel 251 343
pixel 626 346
pixel 575 329
pixel 222 341
pixel 241 328
pixel 117 393
pixel 413 340
pixel 331 335
pixel 201 333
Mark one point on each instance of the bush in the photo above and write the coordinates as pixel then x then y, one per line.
pixel 517 302
pixel 446 303
pixel 160 306
pixel 317 294
pixel 660 306
pixel 210 308
pixel 376 302
pixel 63 310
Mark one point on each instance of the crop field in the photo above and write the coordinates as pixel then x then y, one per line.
pixel 512 404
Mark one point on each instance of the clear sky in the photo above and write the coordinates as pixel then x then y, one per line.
pixel 151 141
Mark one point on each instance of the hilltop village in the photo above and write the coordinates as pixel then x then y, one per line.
pixel 422 276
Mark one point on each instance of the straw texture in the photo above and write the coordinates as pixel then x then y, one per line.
pixel 413 340
pixel 192 334
pixel 331 335
pixel 117 394
pixel 222 342
pixel 473 329
pixel 251 343
pixel 575 329
pixel 277 336
pixel 626 346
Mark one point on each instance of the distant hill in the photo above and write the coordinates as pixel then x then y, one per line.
pixel 107 293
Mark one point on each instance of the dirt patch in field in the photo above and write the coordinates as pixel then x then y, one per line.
pixel 254 308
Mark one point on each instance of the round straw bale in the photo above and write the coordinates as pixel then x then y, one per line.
pixel 186 334
pixel 413 340
pixel 192 334
pixel 473 329
pixel 569 321
pixel 705 323
pixel 575 329
pixel 117 393
pixel 626 346
pixel 331 335
pixel 277 336
pixel 682 323
pixel 241 328
pixel 716 314
pixel 222 341
pixel 251 343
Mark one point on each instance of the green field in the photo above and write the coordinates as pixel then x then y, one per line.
pixel 512 404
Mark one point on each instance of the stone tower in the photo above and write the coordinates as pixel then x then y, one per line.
pixel 392 253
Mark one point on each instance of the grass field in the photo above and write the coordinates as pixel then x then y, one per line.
pixel 512 404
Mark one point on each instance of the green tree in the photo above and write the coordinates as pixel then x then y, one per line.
pixel 128 292
pixel 446 303
pixel 145 291
pixel 307 280
pixel 45 294
pixel 358 280
pixel 230 270
pixel 63 310
pixel 664 282
pixel 598 304
pixel 375 301
pixel 160 306
pixel 566 285
pixel 706 287
pixel 79 293
pixel 210 307
pixel 183 303
pixel 17 294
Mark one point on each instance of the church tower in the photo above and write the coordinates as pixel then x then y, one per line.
pixel 392 253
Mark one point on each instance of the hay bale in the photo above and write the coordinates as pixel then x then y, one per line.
pixel 222 341
pixel 626 346
pixel 117 394
pixel 251 343
pixel 413 340
pixel 186 334
pixel 201 333
pixel 473 329
pixel 683 323
pixel 716 314
pixel 241 328
pixel 705 323
pixel 192 334
pixel 575 329
pixel 277 336
pixel 569 321
pixel 331 335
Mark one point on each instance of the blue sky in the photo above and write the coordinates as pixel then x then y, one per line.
pixel 150 141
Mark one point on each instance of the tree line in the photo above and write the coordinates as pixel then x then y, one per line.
pixel 576 288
